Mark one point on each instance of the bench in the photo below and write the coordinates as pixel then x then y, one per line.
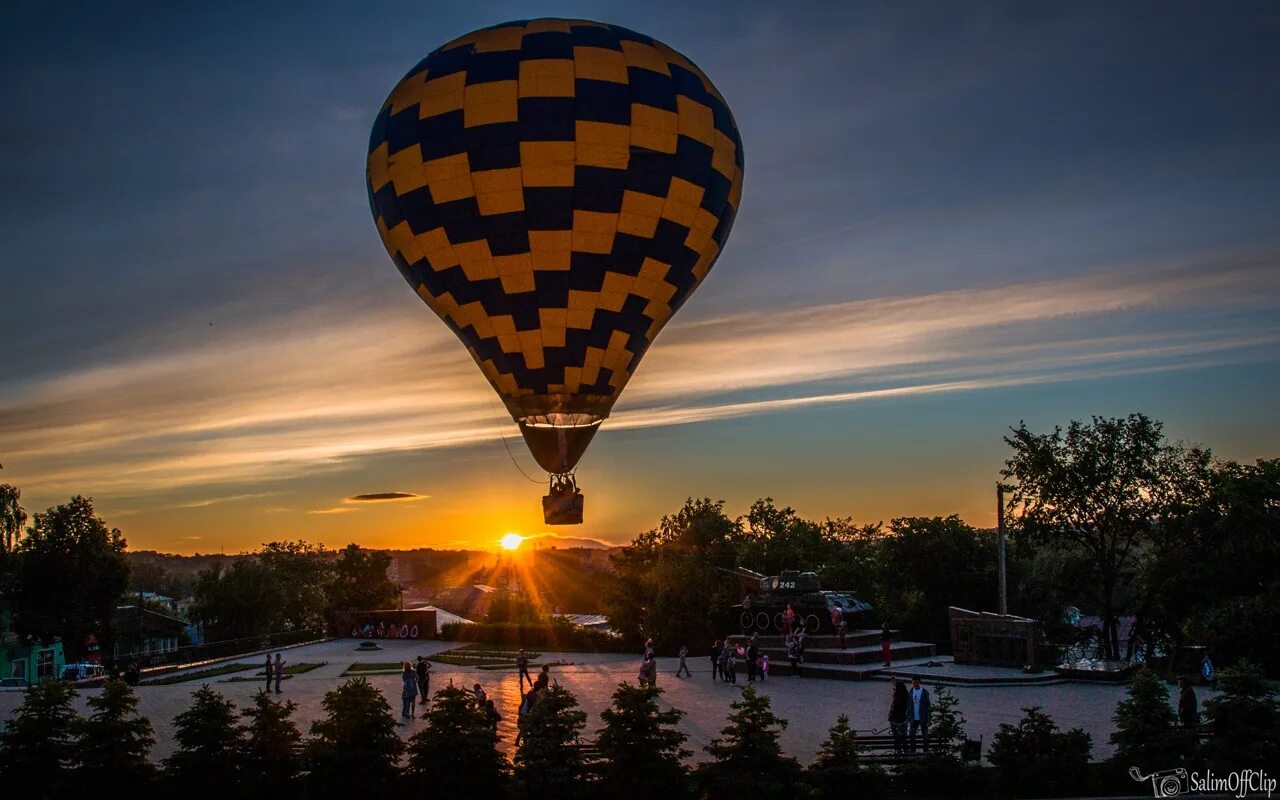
pixel 879 748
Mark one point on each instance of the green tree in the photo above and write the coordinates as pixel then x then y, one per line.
pixel 37 745
pixel 355 748
pixel 1104 486
pixel 1244 719
pixel 12 518
pixel 1035 758
pixel 927 564
pixel 666 587
pixel 456 754
pixel 359 580
pixel 547 763
pixel 70 572
pixel 238 601
pixel 748 760
pixel 837 773
pixel 1145 735
pixel 775 539
pixel 946 726
pixel 209 758
pixel 112 748
pixel 303 573
pixel 641 747
pixel 271 739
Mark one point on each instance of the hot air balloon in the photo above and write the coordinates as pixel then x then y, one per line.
pixel 555 190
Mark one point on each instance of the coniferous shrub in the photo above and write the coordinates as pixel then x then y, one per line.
pixel 210 747
pixel 456 754
pixel 271 747
pixel 641 747
pixel 354 749
pixel 38 742
pixel 1037 759
pixel 111 751
pixel 548 764
pixel 748 758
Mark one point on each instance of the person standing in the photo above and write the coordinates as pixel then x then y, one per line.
pixel 724 661
pixel 423 671
pixel 918 712
pixel 753 653
pixel 1206 670
pixel 788 619
pixel 898 703
pixel 715 660
pixel 684 666
pixel 267 667
pixel 491 714
pixel 837 622
pixel 522 664
pixel 408 691
pixel 642 675
pixel 651 670
pixel 648 648
pixel 764 666
pixel 793 655
pixel 278 669
pixel 886 644
pixel 1188 707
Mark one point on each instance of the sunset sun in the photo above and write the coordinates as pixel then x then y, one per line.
pixel 511 541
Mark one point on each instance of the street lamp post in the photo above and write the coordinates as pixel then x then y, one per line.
pixel 1004 587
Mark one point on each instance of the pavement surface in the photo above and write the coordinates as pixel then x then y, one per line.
pixel 810 705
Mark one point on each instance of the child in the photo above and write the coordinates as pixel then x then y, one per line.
pixel 684 667
pixel 764 666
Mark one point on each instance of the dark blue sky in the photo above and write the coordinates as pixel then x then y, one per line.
pixel 997 211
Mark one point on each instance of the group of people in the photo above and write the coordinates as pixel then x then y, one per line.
pixel 417 683
pixel 726 655
pixel 909 712
pixel 274 671
pixel 529 699
pixel 648 675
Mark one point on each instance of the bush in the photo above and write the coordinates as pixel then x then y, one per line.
pixel 547 765
pixel 1146 736
pixel 111 752
pixel 270 758
pixel 456 754
pixel 354 750
pixel 210 746
pixel 1036 759
pixel 836 773
pixel 1244 719
pixel 553 634
pixel 748 759
pixel 37 744
pixel 641 747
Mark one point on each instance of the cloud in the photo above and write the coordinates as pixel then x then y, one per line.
pixel 298 395
pixel 334 510
pixel 376 497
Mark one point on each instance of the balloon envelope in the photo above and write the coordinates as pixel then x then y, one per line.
pixel 555 190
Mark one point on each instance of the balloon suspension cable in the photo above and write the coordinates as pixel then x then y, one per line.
pixel 508 446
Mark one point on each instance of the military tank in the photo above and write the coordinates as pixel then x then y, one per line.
pixel 766 597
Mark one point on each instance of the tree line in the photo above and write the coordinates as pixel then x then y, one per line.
pixel 638 751
pixel 62 577
pixel 1106 518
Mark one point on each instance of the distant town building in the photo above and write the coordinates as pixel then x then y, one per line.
pixel 29 660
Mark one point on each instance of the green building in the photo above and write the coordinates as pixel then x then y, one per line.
pixel 32 661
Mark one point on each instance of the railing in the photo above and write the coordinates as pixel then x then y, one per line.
pixel 213 650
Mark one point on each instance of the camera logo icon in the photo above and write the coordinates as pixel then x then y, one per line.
pixel 1165 783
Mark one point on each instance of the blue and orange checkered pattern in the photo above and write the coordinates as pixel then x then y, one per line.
pixel 555 190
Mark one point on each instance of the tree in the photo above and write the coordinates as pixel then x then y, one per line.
pixel 71 570
pixel 929 563
pixel 271 739
pixel 111 752
pixel 1104 486
pixel 775 539
pixel 1244 720
pixel 456 754
pixel 354 749
pixel 946 726
pixel 666 587
pixel 748 758
pixel 1035 756
pixel 37 745
pixel 302 571
pixel 235 602
pixel 641 748
pixel 1145 735
pixel 209 758
pixel 12 518
pixel 547 763
pixel 836 773
pixel 359 580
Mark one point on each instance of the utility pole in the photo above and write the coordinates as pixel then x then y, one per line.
pixel 1004 587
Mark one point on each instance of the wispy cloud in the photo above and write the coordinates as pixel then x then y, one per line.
pixel 303 394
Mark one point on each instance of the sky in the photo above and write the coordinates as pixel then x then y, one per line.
pixel 955 217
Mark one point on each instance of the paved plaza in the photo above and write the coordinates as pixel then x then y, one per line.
pixel 810 705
